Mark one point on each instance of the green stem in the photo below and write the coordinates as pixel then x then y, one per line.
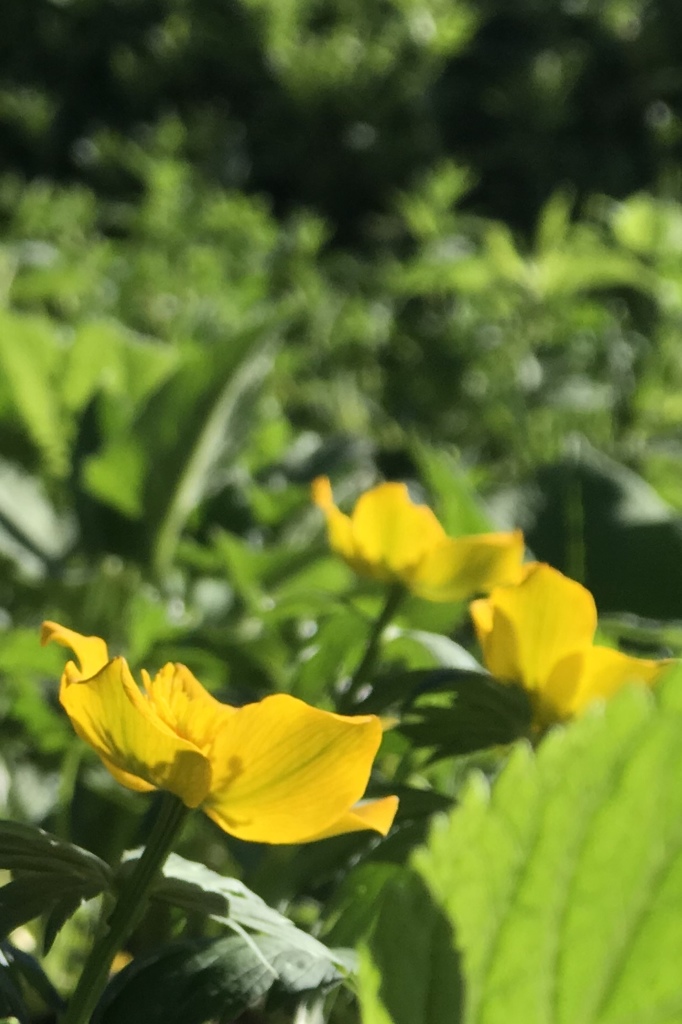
pixel 394 599
pixel 127 911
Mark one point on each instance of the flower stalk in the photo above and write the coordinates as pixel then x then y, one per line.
pixel 127 911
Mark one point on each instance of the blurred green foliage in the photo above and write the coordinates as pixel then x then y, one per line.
pixel 245 242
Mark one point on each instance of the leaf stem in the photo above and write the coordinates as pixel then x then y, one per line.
pixel 394 598
pixel 127 911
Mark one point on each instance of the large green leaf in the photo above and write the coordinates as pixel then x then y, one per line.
pixel 563 882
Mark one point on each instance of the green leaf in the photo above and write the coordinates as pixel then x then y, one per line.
pixel 50 875
pixel 27 968
pixel 11 996
pixel 443 651
pixel 352 909
pixel 32 532
pixel 24 666
pixel 458 508
pixel 195 981
pixel 188 982
pixel 29 354
pixel 563 882
pixel 27 848
pixel 484 713
pixel 604 525
pixel 194 887
pixel 409 969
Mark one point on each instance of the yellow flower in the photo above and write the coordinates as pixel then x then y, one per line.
pixel 278 771
pixel 540 634
pixel 389 538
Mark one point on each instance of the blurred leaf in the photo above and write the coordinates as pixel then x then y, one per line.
pixel 455 502
pixel 333 652
pixel 11 995
pixel 24 665
pixel 26 967
pixel 29 356
pixel 105 355
pixel 444 651
pixel 563 881
pixel 604 525
pixel 352 910
pixel 409 968
pixel 32 532
pixel 482 714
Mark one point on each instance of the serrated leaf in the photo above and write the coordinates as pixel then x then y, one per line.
pixel 194 887
pixel 196 981
pixel 409 969
pixel 187 983
pixel 563 883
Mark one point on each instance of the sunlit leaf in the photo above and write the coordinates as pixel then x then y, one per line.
pixel 563 882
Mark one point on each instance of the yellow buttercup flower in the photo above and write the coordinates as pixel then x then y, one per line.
pixel 539 634
pixel 389 538
pixel 277 771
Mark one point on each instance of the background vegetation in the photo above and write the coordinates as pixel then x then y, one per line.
pixel 244 242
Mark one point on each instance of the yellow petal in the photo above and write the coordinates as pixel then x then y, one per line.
pixel 392 534
pixel 284 771
pixel 186 707
pixel 458 567
pixel 376 815
pixel 556 700
pixel 606 671
pixel 339 530
pixel 109 712
pixel 91 651
pixel 525 630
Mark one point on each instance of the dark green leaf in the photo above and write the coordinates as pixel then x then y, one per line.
pixel 196 981
pixel 484 713
pixel 605 526
pixel 187 983
pixel 27 967
pixel 194 887
pixel 409 968
pixel 27 848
